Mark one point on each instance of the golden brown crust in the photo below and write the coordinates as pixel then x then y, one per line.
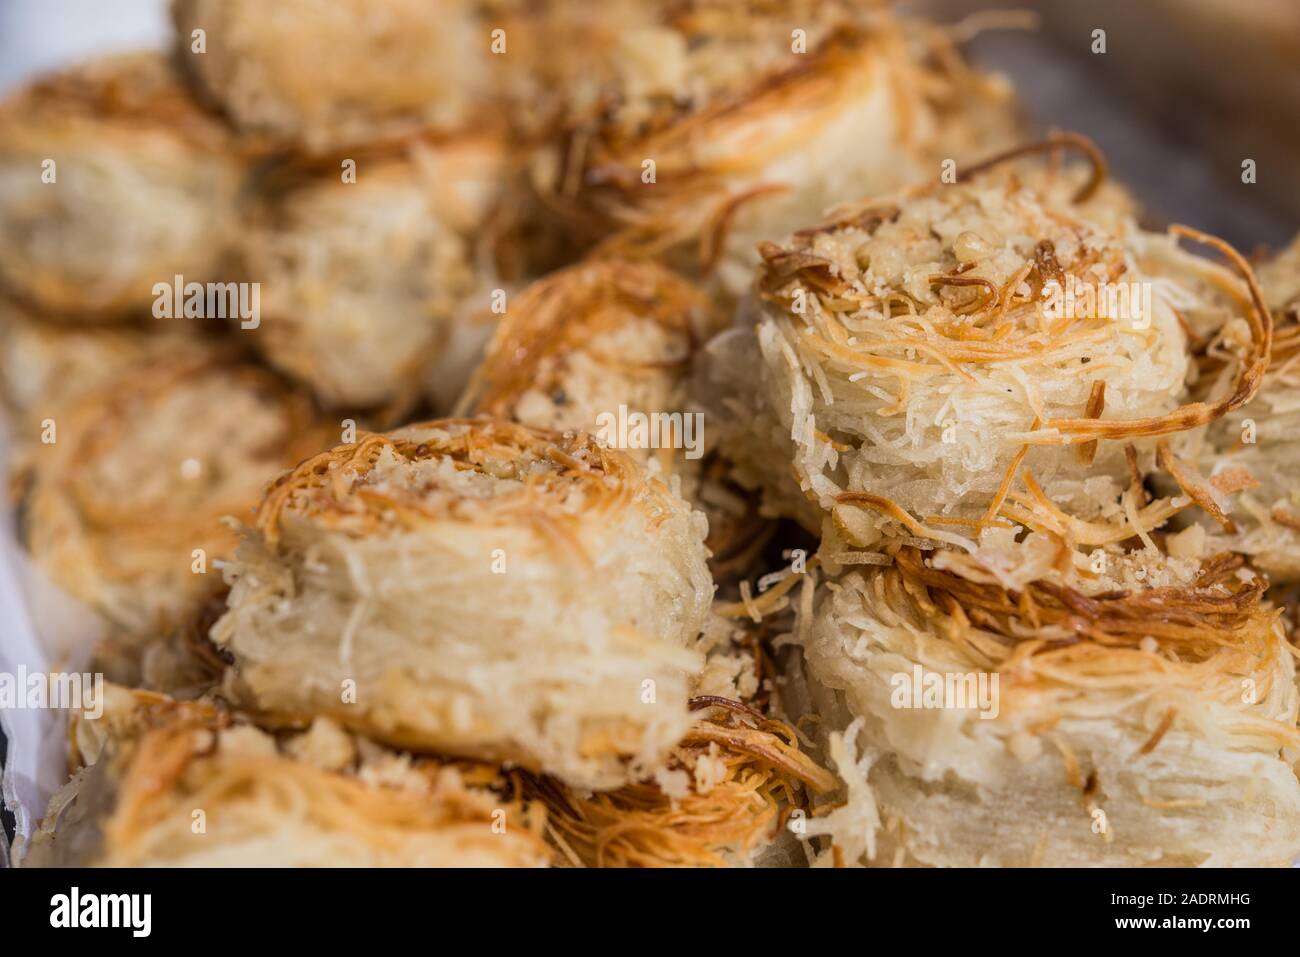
pixel 726 793
pixel 564 312
pixel 607 479
pixel 185 783
pixel 755 776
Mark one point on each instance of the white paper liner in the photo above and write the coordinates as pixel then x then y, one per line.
pixel 43 628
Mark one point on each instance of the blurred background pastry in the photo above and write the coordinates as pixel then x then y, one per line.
pixel 365 261
pixel 315 74
pixel 834 230
pixel 125 508
pixel 111 180
pixel 708 127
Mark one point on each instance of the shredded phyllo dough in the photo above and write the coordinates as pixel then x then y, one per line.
pixel 725 793
pixel 833 477
pixel 918 383
pixel 750 776
pixel 127 509
pixel 1256 449
pixel 752 128
pixel 587 339
pixel 980 458
pixel 1143 715
pixel 481 589
pixel 605 341
pixel 315 799
pixel 144 187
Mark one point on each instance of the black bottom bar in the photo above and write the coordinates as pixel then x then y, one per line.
pixel 334 907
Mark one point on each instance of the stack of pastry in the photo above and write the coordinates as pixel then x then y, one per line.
pixel 387 578
pixel 1017 653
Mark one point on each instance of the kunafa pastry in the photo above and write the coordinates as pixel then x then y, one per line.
pixel 477 588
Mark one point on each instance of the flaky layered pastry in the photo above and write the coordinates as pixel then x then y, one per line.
pixel 363 270
pixel 480 589
pixel 608 346
pixel 162 783
pixel 1259 445
pixel 111 180
pixel 585 340
pixel 317 74
pixel 126 504
pixel 1140 715
pixel 1046 453
pixel 934 360
pixel 947 374
pixel 705 127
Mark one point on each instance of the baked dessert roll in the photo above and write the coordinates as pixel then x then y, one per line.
pixel 706 127
pixel 1017 707
pixel 163 783
pixel 317 74
pixel 111 180
pixel 126 504
pixel 727 791
pixel 1258 447
pixel 593 337
pixel 608 346
pixel 361 278
pixel 480 589
pixel 919 351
